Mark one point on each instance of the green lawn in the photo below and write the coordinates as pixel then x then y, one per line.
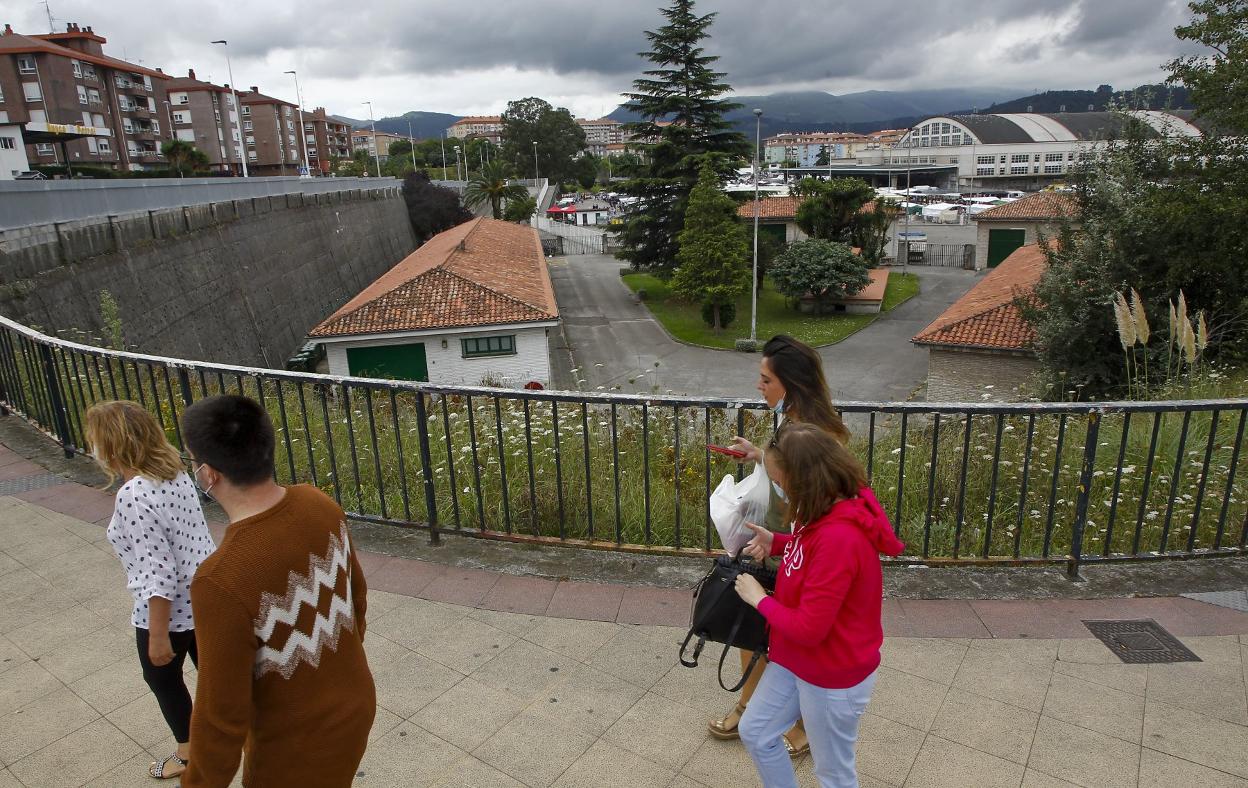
pixel 684 320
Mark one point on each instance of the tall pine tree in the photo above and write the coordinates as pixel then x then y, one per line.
pixel 713 250
pixel 682 108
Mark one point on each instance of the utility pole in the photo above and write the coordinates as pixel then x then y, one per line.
pixel 758 126
pixel 303 134
pixel 411 144
pixel 238 108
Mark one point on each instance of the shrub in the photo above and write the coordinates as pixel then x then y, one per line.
pixel 727 313
pixel 746 346
pixel 823 269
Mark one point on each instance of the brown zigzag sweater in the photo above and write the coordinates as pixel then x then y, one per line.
pixel 279 621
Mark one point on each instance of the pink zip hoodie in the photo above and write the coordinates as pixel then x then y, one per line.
pixel 825 614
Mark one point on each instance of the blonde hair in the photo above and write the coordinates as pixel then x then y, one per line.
pixel 125 437
pixel 818 471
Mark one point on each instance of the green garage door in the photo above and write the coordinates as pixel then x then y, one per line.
pixel 397 362
pixel 1002 243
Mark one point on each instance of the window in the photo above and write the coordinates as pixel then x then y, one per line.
pixel 88 72
pixel 294 155
pixel 246 125
pixel 86 118
pixel 229 99
pixel 77 68
pixel 290 125
pixel 31 91
pixel 1037 157
pixel 7 143
pixel 985 159
pixel 182 116
pixel 246 112
pixel 1018 169
pixel 82 94
pixel 151 104
pixel 490 346
pixel 186 135
pixel 93 96
pixel 1 95
pixel 155 126
pixel 286 111
pixel 251 140
pixel 1002 161
pixel 126 126
pixel 1053 157
pixel 1019 158
pixel 38 116
pixel 983 171
pixel 91 145
pixel 1052 169
pixel 179 98
pixel 104 146
pixel 25 65
pixel 251 154
pixel 147 82
pixel 216 113
pixel 97 120
pixel 43 148
pixel 290 139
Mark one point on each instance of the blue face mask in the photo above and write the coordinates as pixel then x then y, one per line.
pixel 779 492
pixel 779 406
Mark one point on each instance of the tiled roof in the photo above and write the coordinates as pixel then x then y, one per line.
pixel 478 119
pixel 256 97
pixel 1041 205
pixel 16 43
pixel 483 272
pixel 988 315
pixel 781 208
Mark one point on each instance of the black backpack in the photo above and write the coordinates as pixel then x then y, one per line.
pixel 718 614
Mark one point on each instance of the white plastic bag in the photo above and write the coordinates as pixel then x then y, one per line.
pixel 735 503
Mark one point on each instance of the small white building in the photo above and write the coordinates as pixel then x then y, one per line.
pixel 473 305
pixel 13 160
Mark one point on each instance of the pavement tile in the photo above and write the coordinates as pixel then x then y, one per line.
pixel 513 594
pixel 1202 618
pixel 67 626
pixel 524 670
pixel 105 646
pixel 467 645
pixel 586 601
pixel 942 618
pixel 698 688
pixel 472 773
pixel 1083 756
pixel 945 764
pixel 461 586
pixel 407 755
pixel 8 564
pixel 126 775
pixel 609 766
pixel 936 659
pixel 1195 737
pixel 713 761
pixel 518 624
pixel 910 700
pixel 1089 660
pixel 534 749
pixel 639 655
pixel 7 780
pixel 1004 677
pixel 660 731
pixel 576 638
pixel 1097 708
pixel 1035 779
pixel 469 713
pixel 589 699
pixel 886 749
pixel 1011 618
pixel 414 622
pixel 1215 649
pixel 893 619
pixel 25 684
pixel 38 724
pixel 406 681
pixel 141 720
pixel 401 576
pixel 10 655
pixel 79 758
pixel 1210 688
pixel 1158 770
pixel 667 607
pixel 986 725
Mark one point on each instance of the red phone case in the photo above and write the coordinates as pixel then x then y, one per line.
pixel 725 451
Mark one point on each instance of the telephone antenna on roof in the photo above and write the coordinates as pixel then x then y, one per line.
pixel 51 20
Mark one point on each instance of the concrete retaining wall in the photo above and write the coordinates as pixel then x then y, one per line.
pixel 239 281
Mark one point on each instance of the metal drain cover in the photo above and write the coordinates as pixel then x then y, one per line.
pixel 1140 641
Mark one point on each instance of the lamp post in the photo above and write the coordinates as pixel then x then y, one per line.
pixel 238 109
pixel 443 155
pixel 373 123
pixel 303 132
pixel 905 261
pixel 457 176
pixel 758 127
pixel 411 145
pixel 536 176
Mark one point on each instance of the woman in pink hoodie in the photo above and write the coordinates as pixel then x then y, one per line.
pixel 824 619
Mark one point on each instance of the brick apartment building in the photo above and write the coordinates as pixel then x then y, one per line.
pixel 271 134
pixel 328 137
pixel 78 105
pixel 362 139
pixel 204 115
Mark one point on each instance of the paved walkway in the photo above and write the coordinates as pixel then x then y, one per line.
pixel 487 679
pixel 613 339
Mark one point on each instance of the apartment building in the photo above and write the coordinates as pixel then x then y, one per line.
pixel 488 126
pixel 78 106
pixel 807 149
pixel 601 134
pixel 362 139
pixel 204 115
pixel 271 134
pixel 328 137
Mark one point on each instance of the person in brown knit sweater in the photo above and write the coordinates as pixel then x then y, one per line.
pixel 279 613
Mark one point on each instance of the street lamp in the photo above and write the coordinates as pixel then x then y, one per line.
pixel 376 153
pixel 758 127
pixel 303 132
pixel 535 172
pixel 238 110
pixel 411 144
pixel 457 175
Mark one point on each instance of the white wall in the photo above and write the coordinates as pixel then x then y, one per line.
pixel 531 360
pixel 13 161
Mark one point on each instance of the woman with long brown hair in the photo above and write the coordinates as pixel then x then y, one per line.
pixel 791 380
pixel 159 533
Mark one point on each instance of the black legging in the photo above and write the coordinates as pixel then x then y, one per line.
pixel 166 680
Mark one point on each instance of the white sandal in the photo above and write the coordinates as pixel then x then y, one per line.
pixel 157 769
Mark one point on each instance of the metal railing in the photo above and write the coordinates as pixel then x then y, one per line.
pixel 972 483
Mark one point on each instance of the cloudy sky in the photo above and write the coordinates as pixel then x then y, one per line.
pixel 471 58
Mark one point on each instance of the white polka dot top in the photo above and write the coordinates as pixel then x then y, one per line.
pixel 159 533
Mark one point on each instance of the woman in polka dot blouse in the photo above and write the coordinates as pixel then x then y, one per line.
pixel 159 533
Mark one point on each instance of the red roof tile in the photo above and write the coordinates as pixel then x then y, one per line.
pixel 483 272
pixel 781 208
pixel 987 316
pixel 1041 205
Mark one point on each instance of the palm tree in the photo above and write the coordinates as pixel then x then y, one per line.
pixel 181 154
pixel 490 185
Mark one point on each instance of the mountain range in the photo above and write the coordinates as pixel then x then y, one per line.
pixel 865 111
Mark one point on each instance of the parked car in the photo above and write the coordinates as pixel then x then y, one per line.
pixel 31 176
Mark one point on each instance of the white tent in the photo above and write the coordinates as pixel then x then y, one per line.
pixel 936 211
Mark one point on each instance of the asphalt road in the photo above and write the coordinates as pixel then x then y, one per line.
pixel 611 343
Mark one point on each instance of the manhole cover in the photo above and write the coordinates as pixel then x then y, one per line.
pixel 27 483
pixel 1142 641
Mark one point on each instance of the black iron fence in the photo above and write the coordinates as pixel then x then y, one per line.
pixel 962 482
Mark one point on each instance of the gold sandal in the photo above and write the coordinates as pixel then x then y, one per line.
pixel 796 752
pixel 726 728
